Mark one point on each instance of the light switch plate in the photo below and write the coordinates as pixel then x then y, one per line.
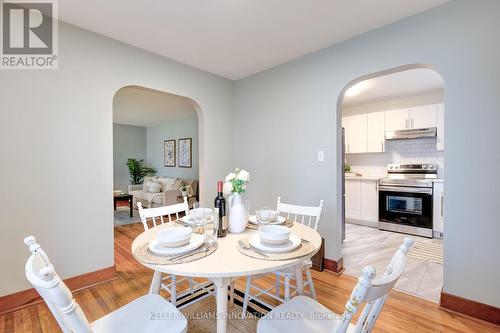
pixel 321 156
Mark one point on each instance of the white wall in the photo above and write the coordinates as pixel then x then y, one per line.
pixel 56 143
pixel 285 114
pixel 185 127
pixel 128 142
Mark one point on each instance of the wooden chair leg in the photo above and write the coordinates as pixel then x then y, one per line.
pixel 278 284
pixel 231 290
pixel 311 284
pixel 247 296
pixel 190 280
pixel 155 283
pixel 173 290
pixel 287 288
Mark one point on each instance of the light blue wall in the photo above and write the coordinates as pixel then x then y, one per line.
pixel 56 132
pixel 128 142
pixel 284 115
pixel 186 127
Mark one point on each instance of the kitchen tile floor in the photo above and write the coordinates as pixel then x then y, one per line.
pixel 365 246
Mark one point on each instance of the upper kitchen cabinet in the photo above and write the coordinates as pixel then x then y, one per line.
pixel 423 116
pixel 375 132
pixel 440 127
pixel 364 133
pixel 397 119
pixel 355 133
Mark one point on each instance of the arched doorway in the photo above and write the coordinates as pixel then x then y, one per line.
pixel 391 163
pixel 157 136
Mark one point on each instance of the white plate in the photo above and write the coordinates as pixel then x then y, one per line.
pixel 253 220
pixel 195 242
pixel 292 243
pixel 189 220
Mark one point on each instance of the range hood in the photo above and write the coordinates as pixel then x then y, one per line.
pixel 414 133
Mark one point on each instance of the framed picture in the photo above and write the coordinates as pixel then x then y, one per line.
pixel 185 153
pixel 169 153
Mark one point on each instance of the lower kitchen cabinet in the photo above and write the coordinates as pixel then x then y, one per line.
pixel 352 198
pixel 438 209
pixel 369 200
pixel 361 201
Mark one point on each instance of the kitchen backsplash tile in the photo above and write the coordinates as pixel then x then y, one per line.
pixel 397 151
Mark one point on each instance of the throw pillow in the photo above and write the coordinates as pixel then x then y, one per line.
pixel 177 184
pixel 168 184
pixel 146 182
pixel 154 187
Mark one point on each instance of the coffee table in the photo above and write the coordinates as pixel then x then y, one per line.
pixel 125 197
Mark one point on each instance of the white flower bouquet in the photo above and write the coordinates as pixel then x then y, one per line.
pixel 236 182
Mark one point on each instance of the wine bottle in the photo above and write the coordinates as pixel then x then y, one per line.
pixel 220 203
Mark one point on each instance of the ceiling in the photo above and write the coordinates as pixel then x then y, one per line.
pixel 144 107
pixel 402 84
pixel 236 38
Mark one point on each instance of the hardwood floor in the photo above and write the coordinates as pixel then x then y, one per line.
pixel 402 312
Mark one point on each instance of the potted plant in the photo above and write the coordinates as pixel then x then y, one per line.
pixel 236 184
pixel 138 170
pixel 184 190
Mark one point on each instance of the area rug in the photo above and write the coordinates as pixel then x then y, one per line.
pixel 427 251
pixel 201 315
pixel 122 216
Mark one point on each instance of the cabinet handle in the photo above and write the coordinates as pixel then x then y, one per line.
pixel 442 205
pixel 406 122
pixel 382 146
pixel 412 122
pixel 348 148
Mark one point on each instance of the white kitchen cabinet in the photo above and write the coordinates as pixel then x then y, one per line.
pixel 397 119
pixel 423 116
pixel 369 200
pixel 352 198
pixel 355 133
pixel 361 201
pixel 375 132
pixel 440 127
pixel 438 210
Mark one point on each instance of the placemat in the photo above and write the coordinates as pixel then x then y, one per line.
pixel 288 223
pixel 144 255
pixel 303 250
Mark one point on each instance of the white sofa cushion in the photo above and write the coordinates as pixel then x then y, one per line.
pixel 154 186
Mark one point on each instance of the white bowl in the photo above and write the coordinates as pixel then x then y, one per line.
pixel 266 215
pixel 175 237
pixel 274 234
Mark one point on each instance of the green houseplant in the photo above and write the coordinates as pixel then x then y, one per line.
pixel 138 170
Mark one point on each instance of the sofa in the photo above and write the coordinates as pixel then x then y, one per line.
pixel 161 191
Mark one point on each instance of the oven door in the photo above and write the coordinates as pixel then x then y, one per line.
pixel 408 206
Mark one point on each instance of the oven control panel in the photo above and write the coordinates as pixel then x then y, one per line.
pixel 412 168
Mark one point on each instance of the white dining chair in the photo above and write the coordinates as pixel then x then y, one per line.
pixel 160 215
pixel 136 316
pixel 307 215
pixel 317 318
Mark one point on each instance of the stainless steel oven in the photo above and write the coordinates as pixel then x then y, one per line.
pixel 405 199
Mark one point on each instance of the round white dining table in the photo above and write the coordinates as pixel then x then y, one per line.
pixel 227 262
